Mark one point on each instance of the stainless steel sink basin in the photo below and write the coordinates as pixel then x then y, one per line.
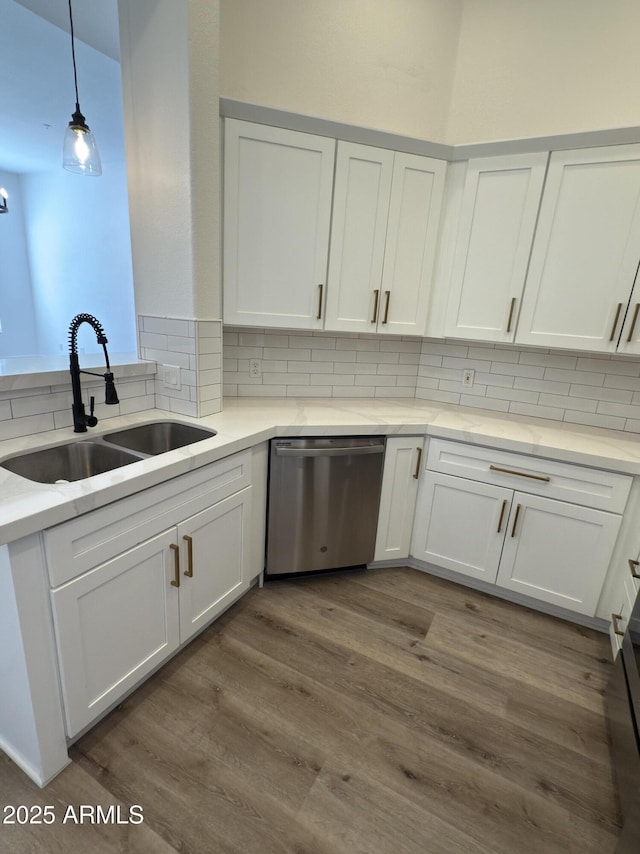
pixel 74 461
pixel 158 437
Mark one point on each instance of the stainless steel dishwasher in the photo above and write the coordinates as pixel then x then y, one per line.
pixel 323 503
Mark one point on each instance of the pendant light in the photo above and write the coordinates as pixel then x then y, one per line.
pixel 79 151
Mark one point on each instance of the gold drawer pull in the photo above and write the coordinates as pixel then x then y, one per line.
pixel 632 566
pixel 385 319
pixel 515 521
pixel 376 297
pixel 511 310
pixel 504 507
pixel 633 322
pixel 176 564
pixel 615 322
pixel 616 628
pixel 189 570
pixel 543 477
pixel 416 474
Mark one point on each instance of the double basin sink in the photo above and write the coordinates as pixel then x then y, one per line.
pixel 77 460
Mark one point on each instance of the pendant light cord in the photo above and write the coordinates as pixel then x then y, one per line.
pixel 73 56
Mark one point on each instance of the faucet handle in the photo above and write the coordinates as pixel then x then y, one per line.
pixel 91 418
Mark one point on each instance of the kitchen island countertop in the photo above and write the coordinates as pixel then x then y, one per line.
pixel 27 507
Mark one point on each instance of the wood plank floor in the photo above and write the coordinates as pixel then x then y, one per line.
pixel 378 712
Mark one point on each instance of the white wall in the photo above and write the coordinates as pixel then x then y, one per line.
pixel 454 71
pixel 18 337
pixel 541 67
pixel 384 64
pixel 169 51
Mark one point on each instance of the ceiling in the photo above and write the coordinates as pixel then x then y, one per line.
pixel 96 24
pixel 36 90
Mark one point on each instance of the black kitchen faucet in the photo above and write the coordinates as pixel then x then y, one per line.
pixel 80 419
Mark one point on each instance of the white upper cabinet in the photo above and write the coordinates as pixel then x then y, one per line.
pixel 497 220
pixel 586 251
pixel 384 231
pixel 277 214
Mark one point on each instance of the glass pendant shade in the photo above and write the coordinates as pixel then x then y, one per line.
pixel 79 151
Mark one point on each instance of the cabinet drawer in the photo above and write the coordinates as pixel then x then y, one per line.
pixel 566 482
pixel 76 546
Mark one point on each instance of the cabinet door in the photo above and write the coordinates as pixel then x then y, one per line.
pixel 557 552
pixel 114 625
pixel 277 212
pixel 460 524
pixel 498 214
pixel 358 229
pixel 215 560
pixel 410 250
pixel 398 496
pixel 585 252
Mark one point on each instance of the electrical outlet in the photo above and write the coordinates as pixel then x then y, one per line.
pixel 467 377
pixel 255 368
pixel 171 377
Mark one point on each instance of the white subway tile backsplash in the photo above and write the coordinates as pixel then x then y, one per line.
pixel 610 366
pixel 555 413
pixel 601 393
pixel 592 419
pixel 378 357
pixel 528 381
pixel 309 391
pixel 400 346
pixel 333 379
pixel 484 403
pixel 615 381
pixel 166 326
pixel 518 370
pixel 436 394
pixel 462 364
pixel 548 386
pixel 582 377
pixel 154 340
pixel 574 403
pixel 396 391
pixel 548 360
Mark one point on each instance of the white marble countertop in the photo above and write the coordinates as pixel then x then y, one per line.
pixel 27 507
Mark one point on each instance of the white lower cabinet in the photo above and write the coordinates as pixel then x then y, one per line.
pixel 460 524
pixel 551 550
pixel 114 625
pixel 116 622
pixel 402 458
pixel 557 552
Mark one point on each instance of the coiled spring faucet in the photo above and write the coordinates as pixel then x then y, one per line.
pixel 80 419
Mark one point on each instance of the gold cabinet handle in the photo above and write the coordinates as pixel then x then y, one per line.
pixel 616 628
pixel 633 322
pixel 376 298
pixel 615 322
pixel 385 319
pixel 511 310
pixel 416 473
pixel 543 477
pixel 632 566
pixel 515 521
pixel 189 570
pixel 319 315
pixel 176 564
pixel 500 520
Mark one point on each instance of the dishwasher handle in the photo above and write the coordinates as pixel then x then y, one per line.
pixel 360 450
